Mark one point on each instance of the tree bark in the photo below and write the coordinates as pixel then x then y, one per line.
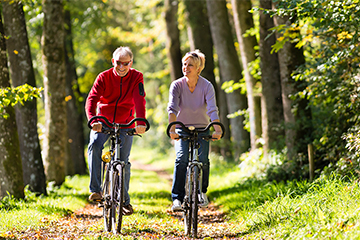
pixel 199 35
pixel 173 39
pixel 11 179
pixel 272 108
pixel 76 143
pixel 22 72
pixel 243 21
pixel 297 128
pixel 54 85
pixel 230 69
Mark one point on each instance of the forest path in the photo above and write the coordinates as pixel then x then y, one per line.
pixel 87 222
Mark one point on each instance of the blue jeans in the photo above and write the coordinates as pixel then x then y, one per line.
pixel 95 147
pixel 181 163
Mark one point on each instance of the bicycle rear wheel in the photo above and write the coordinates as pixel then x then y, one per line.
pixel 194 201
pixel 107 200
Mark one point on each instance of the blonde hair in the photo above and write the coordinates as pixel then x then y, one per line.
pixel 197 57
pixel 123 52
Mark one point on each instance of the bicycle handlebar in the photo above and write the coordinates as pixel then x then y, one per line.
pixel 120 125
pixel 199 130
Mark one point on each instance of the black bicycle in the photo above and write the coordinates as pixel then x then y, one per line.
pixel 193 184
pixel 113 173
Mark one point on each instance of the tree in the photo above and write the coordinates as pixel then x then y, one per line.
pixel 54 84
pixel 22 72
pixel 230 70
pixel 199 35
pixel 297 114
pixel 11 178
pixel 244 22
pixel 173 39
pixel 76 143
pixel 272 108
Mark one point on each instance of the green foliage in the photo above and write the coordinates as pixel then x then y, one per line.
pixel 12 96
pixel 327 31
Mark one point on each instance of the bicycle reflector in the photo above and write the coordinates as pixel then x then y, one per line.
pixel 106 157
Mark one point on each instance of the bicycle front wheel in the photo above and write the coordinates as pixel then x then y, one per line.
pixel 195 201
pixel 120 198
pixel 107 200
pixel 187 202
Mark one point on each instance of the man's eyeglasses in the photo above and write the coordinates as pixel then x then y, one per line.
pixel 123 63
pixel 192 54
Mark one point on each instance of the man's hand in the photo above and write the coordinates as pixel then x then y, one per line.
pixel 140 129
pixel 96 127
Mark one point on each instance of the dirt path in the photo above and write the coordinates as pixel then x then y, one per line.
pixel 88 222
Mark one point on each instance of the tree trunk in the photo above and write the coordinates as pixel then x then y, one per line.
pixel 54 85
pixel 243 20
pixel 76 143
pixel 230 69
pixel 11 179
pixel 173 39
pixel 22 72
pixel 297 128
pixel 200 38
pixel 272 108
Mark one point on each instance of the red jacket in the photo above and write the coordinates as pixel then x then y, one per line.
pixel 117 98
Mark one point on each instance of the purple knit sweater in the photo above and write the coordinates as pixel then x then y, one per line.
pixel 193 108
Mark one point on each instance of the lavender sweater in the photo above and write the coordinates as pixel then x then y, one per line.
pixel 193 108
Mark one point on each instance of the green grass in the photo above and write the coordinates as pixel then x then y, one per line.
pixel 328 208
pixel 32 211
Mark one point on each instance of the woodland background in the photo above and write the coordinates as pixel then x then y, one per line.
pixel 286 75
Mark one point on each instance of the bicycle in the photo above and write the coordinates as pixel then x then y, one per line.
pixel 112 183
pixel 193 183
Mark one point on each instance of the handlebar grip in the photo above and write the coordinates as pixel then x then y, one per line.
pixel 176 122
pixel 99 117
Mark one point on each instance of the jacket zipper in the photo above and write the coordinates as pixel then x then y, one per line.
pixel 118 98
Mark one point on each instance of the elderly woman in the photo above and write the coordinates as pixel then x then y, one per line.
pixel 191 101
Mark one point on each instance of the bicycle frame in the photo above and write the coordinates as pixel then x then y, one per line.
pixel 194 174
pixel 112 184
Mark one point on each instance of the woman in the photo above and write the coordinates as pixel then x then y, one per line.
pixel 191 101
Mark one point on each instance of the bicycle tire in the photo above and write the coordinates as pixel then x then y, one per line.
pixel 188 201
pixel 107 200
pixel 195 202
pixel 113 208
pixel 120 197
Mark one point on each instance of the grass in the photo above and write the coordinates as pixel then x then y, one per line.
pixel 328 208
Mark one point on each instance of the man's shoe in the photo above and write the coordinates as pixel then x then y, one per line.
pixel 95 196
pixel 128 210
pixel 176 205
pixel 204 201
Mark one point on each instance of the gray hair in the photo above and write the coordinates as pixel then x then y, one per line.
pixel 123 52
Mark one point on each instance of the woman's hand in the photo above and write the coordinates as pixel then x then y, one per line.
pixel 216 136
pixel 174 136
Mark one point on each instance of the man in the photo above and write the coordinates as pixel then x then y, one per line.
pixel 117 94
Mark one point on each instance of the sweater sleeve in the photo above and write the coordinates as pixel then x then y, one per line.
pixel 174 99
pixel 212 109
pixel 94 96
pixel 139 98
